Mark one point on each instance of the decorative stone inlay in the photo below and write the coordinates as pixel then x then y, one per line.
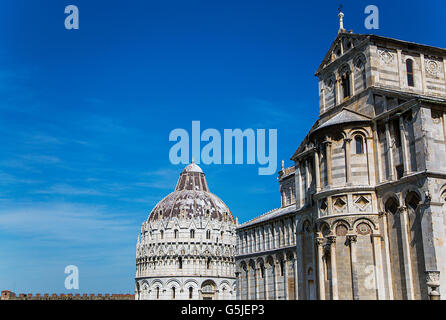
pixel 386 56
pixel 339 203
pixel 362 201
pixel 323 205
pixel 432 67
pixel 363 229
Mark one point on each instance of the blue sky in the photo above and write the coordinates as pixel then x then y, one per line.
pixel 85 115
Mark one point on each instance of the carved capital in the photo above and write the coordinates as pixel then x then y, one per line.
pixel 427 196
pixel 433 278
pixel 352 238
pixel 381 214
pixel 433 282
pixel 320 241
pixel 331 239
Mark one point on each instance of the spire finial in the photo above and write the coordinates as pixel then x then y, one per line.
pixel 341 19
pixel 193 160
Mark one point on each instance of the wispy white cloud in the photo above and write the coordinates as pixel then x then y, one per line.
pixel 66 189
pixel 74 223
pixel 41 159
pixel 8 179
pixel 162 178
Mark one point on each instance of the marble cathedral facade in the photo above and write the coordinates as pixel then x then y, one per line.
pixel 363 207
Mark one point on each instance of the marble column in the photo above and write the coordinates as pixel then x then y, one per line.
pixel 388 274
pixel 379 272
pixel 352 238
pixel 285 278
pixel 299 266
pixel 348 169
pixel 328 161
pixel 334 275
pixel 298 182
pixel 237 285
pixel 406 252
pixel 296 279
pixel 377 152
pixel 370 161
pixel 320 269
pixel 404 146
pixel 317 169
pixel 389 146
pixel 276 281
pixel 307 182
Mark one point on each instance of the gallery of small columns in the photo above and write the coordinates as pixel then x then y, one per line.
pixel 270 236
pixel 266 262
pixel 333 163
pixel 181 248
pixel 269 277
pixel 185 288
pixel 182 265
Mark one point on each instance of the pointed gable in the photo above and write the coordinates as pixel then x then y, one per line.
pixel 341 45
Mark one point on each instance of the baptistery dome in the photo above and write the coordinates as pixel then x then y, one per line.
pixel 191 199
pixel 186 247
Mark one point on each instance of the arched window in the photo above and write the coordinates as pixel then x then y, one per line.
pixel 360 72
pixel 192 234
pixel 180 263
pixel 345 82
pixel 173 292
pixel 409 71
pixel 175 234
pixel 208 234
pixel 412 200
pixel 162 234
pixel 327 260
pixel 391 206
pixel 157 292
pixel 359 145
pixel 191 292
